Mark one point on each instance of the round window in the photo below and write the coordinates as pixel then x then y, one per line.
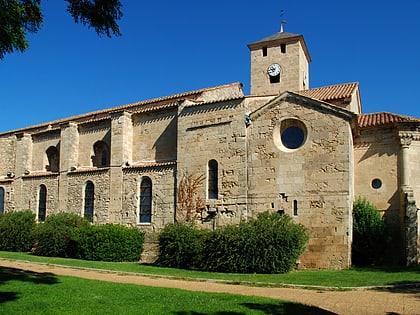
pixel 376 183
pixel 290 135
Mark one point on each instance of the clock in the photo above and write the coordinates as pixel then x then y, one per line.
pixel 273 70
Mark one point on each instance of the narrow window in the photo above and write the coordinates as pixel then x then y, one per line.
pixel 1 200
pixel 101 157
pixel 53 157
pixel 295 208
pixel 42 203
pixel 89 201
pixel 264 51
pixel 283 48
pixel 212 180
pixel 145 200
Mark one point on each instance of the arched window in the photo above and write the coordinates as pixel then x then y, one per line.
pixel 53 156
pixel 145 200
pixel 101 157
pixel 213 180
pixel 42 203
pixel 1 200
pixel 89 201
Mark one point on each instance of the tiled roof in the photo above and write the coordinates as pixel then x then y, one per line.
pixel 331 92
pixel 137 107
pixel 277 36
pixel 383 118
pixel 150 164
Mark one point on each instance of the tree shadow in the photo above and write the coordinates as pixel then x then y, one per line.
pixel 279 308
pixel 403 288
pixel 13 274
pixel 288 308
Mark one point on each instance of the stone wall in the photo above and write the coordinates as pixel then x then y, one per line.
pixel 155 136
pixel 216 132
pixel 76 190
pixel 163 200
pixel 312 183
pixel 31 186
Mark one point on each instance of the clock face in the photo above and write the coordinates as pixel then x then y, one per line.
pixel 273 70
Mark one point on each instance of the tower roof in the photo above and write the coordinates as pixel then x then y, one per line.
pixel 280 37
pixel 275 37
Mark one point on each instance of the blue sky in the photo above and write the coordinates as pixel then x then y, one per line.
pixel 172 47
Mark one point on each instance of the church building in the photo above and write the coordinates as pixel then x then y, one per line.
pixel 286 148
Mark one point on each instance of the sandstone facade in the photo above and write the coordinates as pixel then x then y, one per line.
pixel 286 148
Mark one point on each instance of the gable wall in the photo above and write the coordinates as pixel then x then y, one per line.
pixel 317 178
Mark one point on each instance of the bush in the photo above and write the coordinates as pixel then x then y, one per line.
pixel 180 246
pixel 55 237
pixel 270 243
pixel 109 242
pixel 16 228
pixel 369 234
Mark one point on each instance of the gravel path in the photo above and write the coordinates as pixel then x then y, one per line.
pixel 362 301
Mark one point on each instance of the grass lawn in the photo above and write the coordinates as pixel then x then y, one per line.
pixel 23 292
pixel 340 279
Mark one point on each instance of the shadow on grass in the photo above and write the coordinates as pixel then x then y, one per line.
pixel 280 308
pixel 12 274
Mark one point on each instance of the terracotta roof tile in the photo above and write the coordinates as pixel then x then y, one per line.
pixel 331 92
pixel 383 118
pixel 150 164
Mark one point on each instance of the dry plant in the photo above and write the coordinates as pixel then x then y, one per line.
pixel 190 205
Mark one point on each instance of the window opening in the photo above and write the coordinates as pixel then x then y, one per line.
pixel 42 203
pixel 293 137
pixel 295 208
pixel 275 79
pixel 89 201
pixel 1 200
pixel 264 51
pixel 101 157
pixel 283 48
pixel 213 178
pixel 146 200
pixel 53 156
pixel 376 183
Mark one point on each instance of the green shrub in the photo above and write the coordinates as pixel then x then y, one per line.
pixel 54 237
pixel 180 246
pixel 270 243
pixel 369 234
pixel 16 228
pixel 109 242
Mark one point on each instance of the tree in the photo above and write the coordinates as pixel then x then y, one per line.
pixel 17 17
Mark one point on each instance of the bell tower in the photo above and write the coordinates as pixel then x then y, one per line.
pixel 279 63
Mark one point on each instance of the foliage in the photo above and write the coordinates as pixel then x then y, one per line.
pixel 109 242
pixel 55 236
pixel 369 234
pixel 269 243
pixel 102 15
pixel 180 245
pixel 16 229
pixel 189 203
pixel 17 17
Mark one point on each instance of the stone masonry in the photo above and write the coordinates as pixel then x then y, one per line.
pixel 306 153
